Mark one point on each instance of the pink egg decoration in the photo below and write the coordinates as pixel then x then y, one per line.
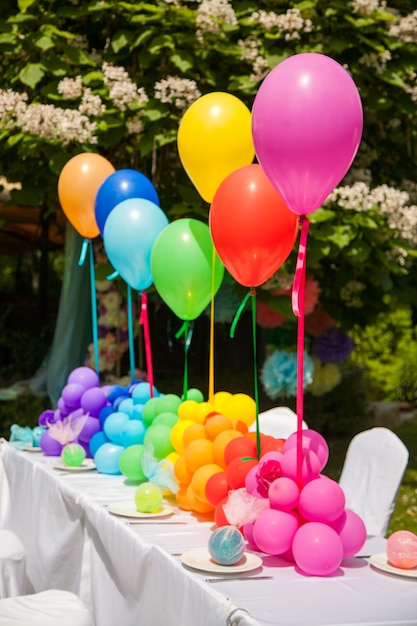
pixel 351 530
pixel 402 549
pixel 321 500
pixel 273 531
pixel 310 465
pixel 317 549
pixel 283 494
pixel 310 440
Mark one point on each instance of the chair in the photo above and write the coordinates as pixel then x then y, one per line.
pixel 12 565
pixel 374 465
pixel 279 422
pixel 46 608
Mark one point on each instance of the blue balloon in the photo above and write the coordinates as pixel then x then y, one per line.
pixel 129 236
pixel 114 425
pixel 104 413
pixel 132 433
pixel 97 441
pixel 119 186
pixel 142 393
pixel 107 458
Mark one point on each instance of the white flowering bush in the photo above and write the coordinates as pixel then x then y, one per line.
pixel 116 77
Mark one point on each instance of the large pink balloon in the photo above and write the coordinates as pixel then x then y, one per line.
pixel 307 122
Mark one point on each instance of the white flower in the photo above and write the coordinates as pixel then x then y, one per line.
pixel 177 91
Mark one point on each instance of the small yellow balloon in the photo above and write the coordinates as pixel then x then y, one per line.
pixel 177 433
pixel 241 407
pixel 215 139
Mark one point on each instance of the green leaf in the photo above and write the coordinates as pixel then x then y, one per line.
pixel 121 40
pixel 31 74
pixel 78 56
pixel 341 236
pixel 24 4
pixel 14 139
pixel 44 43
pixel 8 39
pixel 358 251
pixel 322 215
pixel 182 61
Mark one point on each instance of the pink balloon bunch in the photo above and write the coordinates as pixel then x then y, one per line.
pixel 308 522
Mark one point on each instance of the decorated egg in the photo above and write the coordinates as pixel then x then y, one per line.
pixel 402 549
pixel 226 545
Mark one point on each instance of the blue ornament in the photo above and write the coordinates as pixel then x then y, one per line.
pixel 226 545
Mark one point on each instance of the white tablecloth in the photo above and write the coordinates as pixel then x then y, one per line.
pixel 131 574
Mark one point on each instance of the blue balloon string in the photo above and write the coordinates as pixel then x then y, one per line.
pixel 94 305
pixel 112 276
pixel 130 333
pixel 83 252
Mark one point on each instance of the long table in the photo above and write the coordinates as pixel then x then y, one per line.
pixel 131 573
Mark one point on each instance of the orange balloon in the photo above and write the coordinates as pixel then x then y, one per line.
pixel 199 452
pixel 195 504
pixel 220 443
pixel 216 425
pixel 78 184
pixel 241 426
pixel 200 478
pixel 195 431
pixel 182 499
pixel 181 471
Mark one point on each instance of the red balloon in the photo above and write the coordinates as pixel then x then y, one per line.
pixel 252 229
pixel 220 518
pixel 241 447
pixel 236 472
pixel 217 488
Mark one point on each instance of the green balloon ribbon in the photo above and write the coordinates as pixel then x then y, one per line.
pixel 186 329
pixel 251 293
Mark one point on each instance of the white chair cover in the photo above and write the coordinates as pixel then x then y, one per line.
pixel 46 608
pixel 12 565
pixel 279 422
pixel 375 463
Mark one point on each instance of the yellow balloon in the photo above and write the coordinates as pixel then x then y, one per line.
pixel 215 139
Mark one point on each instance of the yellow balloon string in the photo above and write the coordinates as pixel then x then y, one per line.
pixel 211 346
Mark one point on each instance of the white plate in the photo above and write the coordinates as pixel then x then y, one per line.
pixel 87 464
pixel 128 509
pixel 200 559
pixel 32 449
pixel 380 561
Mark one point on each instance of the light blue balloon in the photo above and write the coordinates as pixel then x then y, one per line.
pixel 142 393
pixel 133 432
pixel 114 425
pixel 126 406
pixel 136 413
pixel 97 441
pixel 107 458
pixel 129 234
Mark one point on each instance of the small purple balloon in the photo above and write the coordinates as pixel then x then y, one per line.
pixel 90 428
pixel 47 417
pixel 49 445
pixel 93 400
pixel 62 407
pixel 85 376
pixel 71 395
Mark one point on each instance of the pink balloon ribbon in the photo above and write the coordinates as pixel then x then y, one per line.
pixel 144 320
pixel 298 298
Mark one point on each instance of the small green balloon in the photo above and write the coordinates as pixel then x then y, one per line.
pixel 73 454
pixel 169 402
pixel 167 418
pixel 159 437
pixel 195 394
pixel 130 463
pixel 148 498
pixel 150 411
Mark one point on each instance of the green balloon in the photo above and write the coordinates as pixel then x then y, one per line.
pixel 182 267
pixel 130 463
pixel 73 454
pixel 148 498
pixel 150 411
pixel 195 394
pixel 167 418
pixel 159 437
pixel 168 402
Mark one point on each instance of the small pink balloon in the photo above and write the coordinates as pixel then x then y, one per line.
pixel 322 500
pixel 310 465
pixel 307 122
pixel 351 530
pixel 93 400
pixel 248 534
pixel 273 531
pixel 284 494
pixel 251 483
pixel 310 440
pixel 402 549
pixel 317 549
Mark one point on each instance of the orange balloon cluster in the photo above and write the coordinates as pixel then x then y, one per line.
pixel 215 451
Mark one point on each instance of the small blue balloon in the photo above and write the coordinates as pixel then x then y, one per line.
pixel 104 413
pixel 107 458
pixel 126 405
pixel 142 393
pixel 121 185
pixel 132 433
pixel 37 433
pixel 97 441
pixel 115 392
pixel 129 234
pixel 136 413
pixel 114 425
